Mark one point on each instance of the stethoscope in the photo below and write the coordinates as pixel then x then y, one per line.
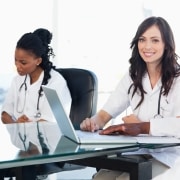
pixel 158 115
pixel 38 113
pixel 23 138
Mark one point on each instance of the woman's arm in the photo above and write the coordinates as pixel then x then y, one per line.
pixel 131 119
pixel 6 118
pixel 132 129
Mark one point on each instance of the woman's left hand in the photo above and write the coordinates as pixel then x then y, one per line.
pixel 23 119
pixel 42 120
pixel 132 129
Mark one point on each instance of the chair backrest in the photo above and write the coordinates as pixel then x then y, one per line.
pixel 83 86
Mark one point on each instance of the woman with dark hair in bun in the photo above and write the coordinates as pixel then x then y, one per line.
pixel 25 101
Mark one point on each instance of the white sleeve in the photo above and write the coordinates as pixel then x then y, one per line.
pixel 10 99
pixel 58 83
pixel 165 127
pixel 170 124
pixel 119 99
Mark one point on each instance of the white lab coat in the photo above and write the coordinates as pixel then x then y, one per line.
pixel 119 100
pixel 19 102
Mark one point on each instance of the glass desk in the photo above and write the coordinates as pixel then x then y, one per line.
pixel 26 144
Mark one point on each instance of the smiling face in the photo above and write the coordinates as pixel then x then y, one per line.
pixel 26 62
pixel 151 46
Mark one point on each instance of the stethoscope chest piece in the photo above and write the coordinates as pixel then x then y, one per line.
pixel 37 115
pixel 158 116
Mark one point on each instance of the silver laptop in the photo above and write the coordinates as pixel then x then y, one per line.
pixel 78 136
pixel 83 137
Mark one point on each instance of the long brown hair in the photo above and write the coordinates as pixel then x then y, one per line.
pixel 170 66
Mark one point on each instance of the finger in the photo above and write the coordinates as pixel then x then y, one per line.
pixel 82 125
pixel 133 131
pixel 108 130
pixel 94 127
pixel 25 118
pixel 86 125
pixel 115 129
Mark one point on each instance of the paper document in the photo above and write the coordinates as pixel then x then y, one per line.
pixel 142 138
pixel 147 139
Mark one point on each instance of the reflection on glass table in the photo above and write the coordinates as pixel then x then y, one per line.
pixel 38 143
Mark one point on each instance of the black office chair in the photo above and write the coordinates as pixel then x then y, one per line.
pixel 83 86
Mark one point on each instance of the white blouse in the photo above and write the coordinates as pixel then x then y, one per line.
pixel 119 100
pixel 21 101
pixel 169 125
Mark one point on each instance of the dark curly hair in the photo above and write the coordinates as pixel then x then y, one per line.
pixel 37 42
pixel 170 66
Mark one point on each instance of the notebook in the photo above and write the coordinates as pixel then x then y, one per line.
pixel 78 136
pixel 83 137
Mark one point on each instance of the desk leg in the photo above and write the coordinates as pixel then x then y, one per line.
pixel 9 173
pixel 25 173
pixel 142 171
pixel 18 173
pixel 2 173
pixel 29 172
pixel 138 169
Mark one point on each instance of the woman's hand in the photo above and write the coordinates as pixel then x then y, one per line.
pixel 6 118
pixel 96 122
pixel 42 120
pixel 23 119
pixel 132 129
pixel 89 124
pixel 131 119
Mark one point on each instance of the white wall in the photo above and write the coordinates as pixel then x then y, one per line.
pixel 18 17
pixel 92 34
pixel 96 34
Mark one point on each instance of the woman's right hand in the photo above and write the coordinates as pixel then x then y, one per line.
pixel 96 122
pixel 23 119
pixel 89 124
pixel 132 129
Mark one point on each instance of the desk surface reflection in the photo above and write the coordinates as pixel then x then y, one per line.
pixel 38 143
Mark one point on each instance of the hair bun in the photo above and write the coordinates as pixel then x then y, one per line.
pixel 44 35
